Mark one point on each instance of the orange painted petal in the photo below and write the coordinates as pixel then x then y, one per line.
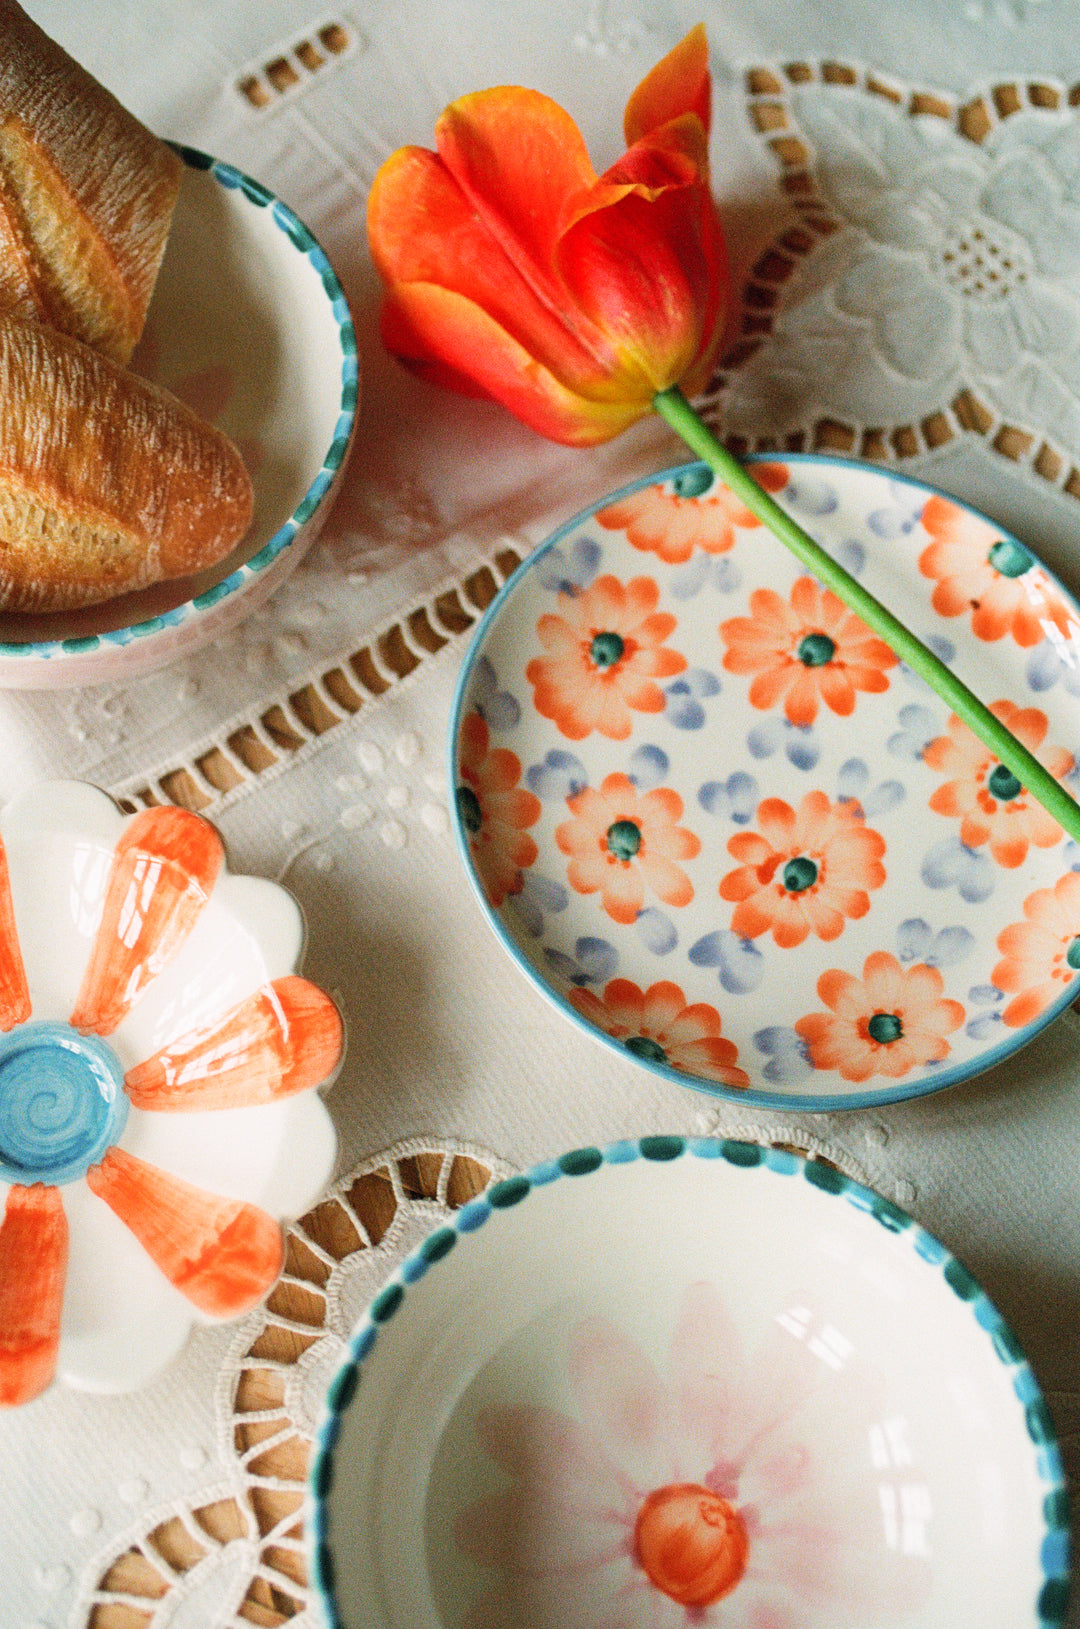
pixel 452 341
pixel 423 229
pixel 14 995
pixel 33 1261
pixel 163 870
pixel 221 1253
pixel 678 84
pixel 283 1039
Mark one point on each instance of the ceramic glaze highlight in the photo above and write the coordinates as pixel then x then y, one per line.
pixel 130 928
pixel 681 763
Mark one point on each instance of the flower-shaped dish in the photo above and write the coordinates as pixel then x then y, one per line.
pixel 249 325
pixel 159 1056
pixel 685 1384
pixel 719 825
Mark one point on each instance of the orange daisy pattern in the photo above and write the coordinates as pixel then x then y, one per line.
pixel 659 1026
pixel 806 650
pixel 1040 957
pixel 694 511
pixel 802 873
pixel 604 651
pixel 494 811
pixel 992 806
pixel 892 1020
pixel 621 842
pixel 976 569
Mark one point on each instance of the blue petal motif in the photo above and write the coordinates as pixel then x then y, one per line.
pixel 917 942
pixel 560 776
pixel 900 516
pixel 594 961
pixel 737 797
pixel 852 555
pixel 913 939
pixel 1055 659
pixel 786 1052
pixel 567 569
pixel 684 697
pixel 656 931
pixel 918 727
pixel 741 965
pixel 799 742
pixel 951 864
pixel 811 494
pixel 498 708
pixel 538 897
pixel 703 570
pixel 649 767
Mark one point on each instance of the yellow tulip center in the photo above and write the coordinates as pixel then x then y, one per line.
pixel 692 1544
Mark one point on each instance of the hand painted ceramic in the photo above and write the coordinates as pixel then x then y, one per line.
pixel 685 1385
pixel 715 821
pixel 249 326
pixel 158 1060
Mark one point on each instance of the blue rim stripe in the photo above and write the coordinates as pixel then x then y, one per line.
pixel 234 180
pixel 1050 1606
pixel 935 1080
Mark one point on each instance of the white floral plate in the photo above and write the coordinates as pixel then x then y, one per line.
pixel 249 326
pixel 715 821
pixel 160 1060
pixel 685 1384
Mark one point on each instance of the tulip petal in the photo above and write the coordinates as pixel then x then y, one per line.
pixel 424 229
pixel 678 84
pixel 163 870
pixel 283 1039
pixel 33 1261
pixel 445 337
pixel 14 995
pixel 221 1253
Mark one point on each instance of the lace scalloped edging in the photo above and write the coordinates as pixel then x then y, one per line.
pixel 248 751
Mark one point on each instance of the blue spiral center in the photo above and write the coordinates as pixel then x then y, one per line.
pixel 62 1103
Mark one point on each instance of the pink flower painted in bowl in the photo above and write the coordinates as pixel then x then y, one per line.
pixel 804 651
pixel 992 806
pixel 604 651
pixel 660 1026
pixel 733 1491
pixel 1041 955
pixel 976 570
pixel 495 811
pixel 157 1053
pixel 805 871
pixel 622 842
pixel 674 519
pixel 890 1021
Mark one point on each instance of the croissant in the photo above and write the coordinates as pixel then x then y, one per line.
pixel 107 482
pixel 86 195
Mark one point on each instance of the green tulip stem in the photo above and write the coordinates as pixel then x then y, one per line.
pixel 674 408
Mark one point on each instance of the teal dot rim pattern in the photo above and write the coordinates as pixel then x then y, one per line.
pixel 302 239
pixel 1051 1604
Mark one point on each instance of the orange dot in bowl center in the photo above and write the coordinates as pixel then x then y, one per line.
pixel 692 1544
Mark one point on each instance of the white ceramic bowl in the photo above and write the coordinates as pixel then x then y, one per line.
pixel 159 1066
pixel 250 326
pixel 685 1384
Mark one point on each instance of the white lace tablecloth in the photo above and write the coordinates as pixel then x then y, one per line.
pixel 902 191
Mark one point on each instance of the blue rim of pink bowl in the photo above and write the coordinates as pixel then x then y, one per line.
pixel 1051 1603
pixel 935 1081
pixel 304 241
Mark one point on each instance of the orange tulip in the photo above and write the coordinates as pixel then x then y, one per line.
pixel 514 272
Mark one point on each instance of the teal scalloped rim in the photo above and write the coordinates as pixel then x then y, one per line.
pixel 304 241
pixel 1051 1603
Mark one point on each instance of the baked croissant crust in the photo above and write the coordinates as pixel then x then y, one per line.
pixel 86 195
pixel 107 482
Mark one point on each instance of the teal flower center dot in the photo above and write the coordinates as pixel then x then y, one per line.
pixel 468 807
pixel 62 1103
pixel 1003 784
pixel 1010 558
pixel 816 649
pixel 799 874
pixel 623 839
pixel 885 1027
pixel 644 1047
pixel 1072 955
pixel 607 648
pixel 692 483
